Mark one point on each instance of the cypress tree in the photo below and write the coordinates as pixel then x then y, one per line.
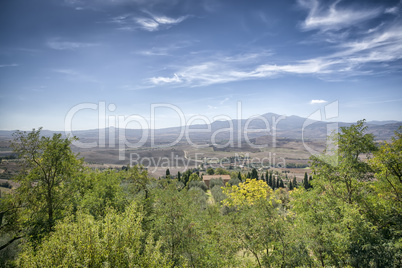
pixel 305 181
pixel 239 176
pixel 254 174
pixel 290 186
pixel 281 185
pixel 294 182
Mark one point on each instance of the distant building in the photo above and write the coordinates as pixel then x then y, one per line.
pixel 207 178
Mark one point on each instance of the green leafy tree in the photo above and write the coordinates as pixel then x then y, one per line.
pixel 186 177
pixel 336 215
pixel 217 181
pixel 218 194
pixel 198 184
pixel 114 241
pixel 383 206
pixel 234 181
pixel 220 171
pixel 43 195
pixel 350 218
pixel 173 225
pixel 387 164
pixel 343 169
pixel 96 191
pixel 194 177
pixel 259 225
pixel 210 171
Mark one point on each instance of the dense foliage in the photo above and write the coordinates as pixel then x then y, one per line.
pixel 65 215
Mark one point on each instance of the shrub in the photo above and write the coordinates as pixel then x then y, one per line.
pixel 214 182
pixel 234 181
pixel 198 184
pixel 217 194
pixel 6 185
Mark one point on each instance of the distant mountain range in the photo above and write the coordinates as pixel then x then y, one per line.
pixel 270 124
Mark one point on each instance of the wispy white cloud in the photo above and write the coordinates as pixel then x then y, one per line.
pixel 317 101
pixel 165 80
pixel 217 69
pixel 224 100
pixel 103 5
pixel 351 59
pixel 150 23
pixel 394 10
pixel 8 65
pixel 377 47
pixel 160 22
pixel 218 72
pixel 165 50
pixel 247 57
pixel 331 17
pixel 167 20
pixel 359 54
pixel 147 24
pixel 204 74
pixel 67 45
pixel 135 87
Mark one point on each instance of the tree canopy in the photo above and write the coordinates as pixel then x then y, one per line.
pixel 63 214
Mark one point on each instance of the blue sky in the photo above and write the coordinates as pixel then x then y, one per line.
pixel 203 57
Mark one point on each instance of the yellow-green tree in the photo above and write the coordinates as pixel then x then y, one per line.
pixel 387 164
pixel 247 193
pixel 114 241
